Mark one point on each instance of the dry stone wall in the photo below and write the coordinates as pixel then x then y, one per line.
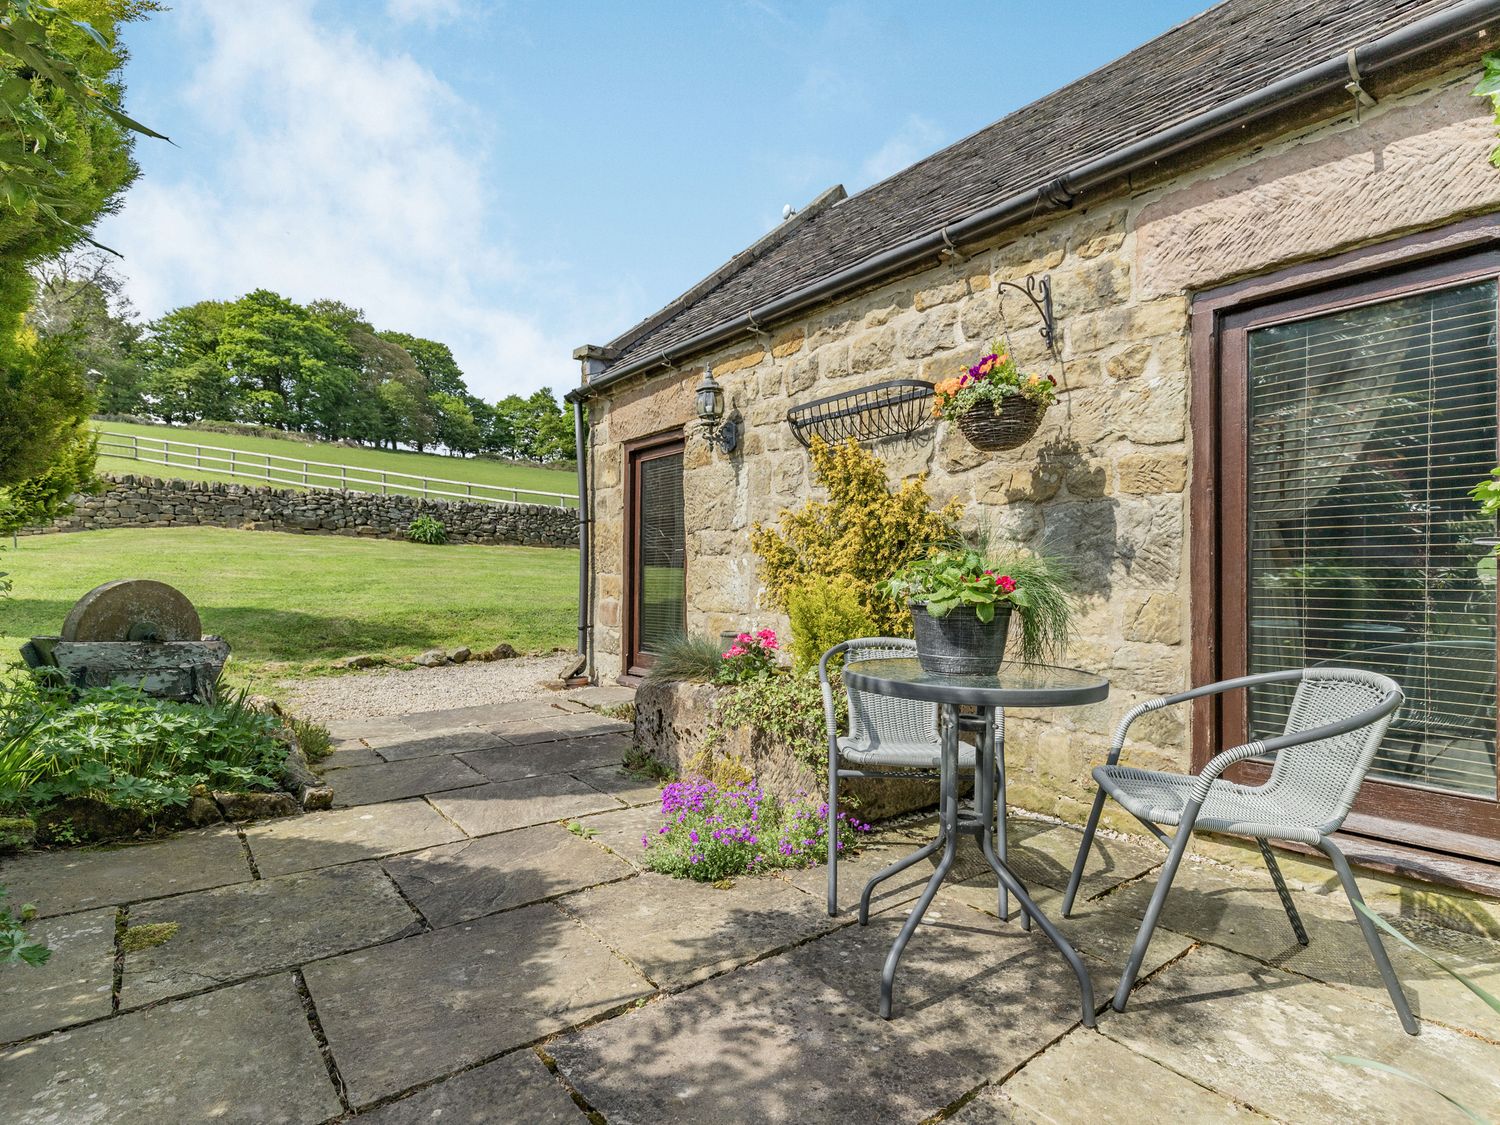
pixel 1104 483
pixel 137 501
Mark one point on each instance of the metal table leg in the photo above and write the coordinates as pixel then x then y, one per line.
pixel 949 839
pixel 1029 909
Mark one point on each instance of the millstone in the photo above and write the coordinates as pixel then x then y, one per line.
pixel 133 609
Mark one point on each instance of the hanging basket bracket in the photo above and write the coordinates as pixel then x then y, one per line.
pixel 1038 290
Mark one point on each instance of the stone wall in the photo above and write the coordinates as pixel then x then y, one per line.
pixel 1104 482
pixel 132 501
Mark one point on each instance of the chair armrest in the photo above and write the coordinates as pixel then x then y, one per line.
pixel 1216 766
pixel 1192 693
pixel 1131 716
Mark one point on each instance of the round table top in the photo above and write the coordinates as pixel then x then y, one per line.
pixel 1015 685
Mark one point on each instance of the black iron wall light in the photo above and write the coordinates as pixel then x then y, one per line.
pixel 718 431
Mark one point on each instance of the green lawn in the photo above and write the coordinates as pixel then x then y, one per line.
pixel 290 604
pixel 473 469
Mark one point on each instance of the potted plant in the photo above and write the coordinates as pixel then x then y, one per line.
pixel 961 607
pixel 996 404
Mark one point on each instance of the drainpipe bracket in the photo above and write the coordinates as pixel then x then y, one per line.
pixel 1354 86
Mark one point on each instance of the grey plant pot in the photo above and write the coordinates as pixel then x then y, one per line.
pixel 959 644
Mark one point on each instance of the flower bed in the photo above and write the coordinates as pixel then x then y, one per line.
pixel 714 832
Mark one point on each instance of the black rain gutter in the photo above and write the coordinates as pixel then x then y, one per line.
pixel 1062 191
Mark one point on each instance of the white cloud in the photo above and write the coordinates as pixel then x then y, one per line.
pixel 917 137
pixel 328 168
pixel 429 12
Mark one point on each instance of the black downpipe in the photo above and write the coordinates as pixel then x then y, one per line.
pixel 584 507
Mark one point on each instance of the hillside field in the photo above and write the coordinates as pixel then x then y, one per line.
pixel 291 604
pixel 472 469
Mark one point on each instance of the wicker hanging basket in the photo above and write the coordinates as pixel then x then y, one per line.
pixel 994 426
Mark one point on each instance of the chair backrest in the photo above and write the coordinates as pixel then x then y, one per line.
pixel 1320 779
pixel 873 718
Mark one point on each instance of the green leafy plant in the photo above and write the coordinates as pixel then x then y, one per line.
pixel 1489 87
pixel 993 379
pixel 16 945
pixel 788 708
pixel 313 737
pixel 427 529
pixel 864 532
pixel 123 748
pixel 712 832
pixel 1033 585
pixel 689 659
pixel 823 612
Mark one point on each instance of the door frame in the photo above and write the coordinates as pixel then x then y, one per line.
pixel 1221 318
pixel 662 444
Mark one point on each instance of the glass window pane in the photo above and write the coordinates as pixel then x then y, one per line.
pixel 661 569
pixel 1368 427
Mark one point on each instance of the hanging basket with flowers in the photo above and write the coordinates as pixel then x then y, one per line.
pixel 996 405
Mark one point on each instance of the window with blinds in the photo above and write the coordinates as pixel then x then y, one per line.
pixel 661 552
pixel 1368 427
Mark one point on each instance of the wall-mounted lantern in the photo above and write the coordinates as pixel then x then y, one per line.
pixel 717 430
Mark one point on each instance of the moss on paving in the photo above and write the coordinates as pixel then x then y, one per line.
pixel 137 938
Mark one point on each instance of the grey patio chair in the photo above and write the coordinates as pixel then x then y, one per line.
pixel 895 738
pixel 1335 725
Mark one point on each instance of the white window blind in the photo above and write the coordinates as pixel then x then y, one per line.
pixel 1368 427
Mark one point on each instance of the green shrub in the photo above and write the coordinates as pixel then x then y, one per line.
pixel 313 737
pixel 712 832
pixel 690 659
pixel 122 747
pixel 427 529
pixel 862 534
pixel 823 612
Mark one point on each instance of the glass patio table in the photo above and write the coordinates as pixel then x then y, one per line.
pixel 1014 686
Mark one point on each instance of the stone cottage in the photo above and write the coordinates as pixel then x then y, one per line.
pixel 1272 242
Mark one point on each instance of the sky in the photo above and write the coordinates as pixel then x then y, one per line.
pixel 518 178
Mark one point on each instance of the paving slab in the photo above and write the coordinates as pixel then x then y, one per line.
pixel 515 1088
pixel 492 714
pixel 347 835
pixel 83 878
pixel 405 1013
pixel 458 882
pixel 622 784
pixel 586 724
pixel 391 781
pixel 504 805
pixel 768 1044
pixel 1087 1077
pixel 1044 853
pixel 348 754
pixel 621 831
pixel 601 695
pixel 1240 910
pixel 677 931
pixel 414 744
pixel 509 763
pixel 243 1054
pixel 1266 1039
pixel 75 983
pixel 854 871
pixel 234 932
pixel 993 994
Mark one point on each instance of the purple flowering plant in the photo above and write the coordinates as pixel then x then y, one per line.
pixel 711 832
pixel 752 656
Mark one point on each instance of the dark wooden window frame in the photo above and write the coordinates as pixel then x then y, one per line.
pixel 1450 256
pixel 636 664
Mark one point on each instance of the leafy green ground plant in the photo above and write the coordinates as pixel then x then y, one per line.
pixel 128 750
pixel 17 946
pixel 786 707
pixel 427 529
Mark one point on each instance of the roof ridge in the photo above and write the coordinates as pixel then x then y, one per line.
pixel 757 249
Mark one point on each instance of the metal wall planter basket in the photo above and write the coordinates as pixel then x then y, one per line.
pixel 992 429
pixel 897 409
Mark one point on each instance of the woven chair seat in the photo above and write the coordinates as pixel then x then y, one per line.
pixel 1248 810
pixel 907 755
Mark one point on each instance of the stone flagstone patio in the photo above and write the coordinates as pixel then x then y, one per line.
pixel 440 947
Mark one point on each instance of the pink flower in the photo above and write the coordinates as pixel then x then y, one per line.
pixel 1006 583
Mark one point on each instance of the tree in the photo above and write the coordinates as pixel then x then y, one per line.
pixel 435 361
pixel 81 299
pixel 456 427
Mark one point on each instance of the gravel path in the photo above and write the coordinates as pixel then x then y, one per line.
pixel 390 691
